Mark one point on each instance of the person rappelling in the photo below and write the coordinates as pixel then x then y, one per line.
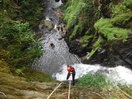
pixel 71 70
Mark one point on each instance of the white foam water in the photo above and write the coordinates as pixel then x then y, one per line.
pixel 117 74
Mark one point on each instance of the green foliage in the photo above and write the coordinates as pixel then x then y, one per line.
pixel 22 10
pixel 20 70
pixel 4 67
pixel 20 42
pixel 81 19
pixel 34 75
pixel 96 46
pixel 122 19
pixel 85 39
pixel 105 27
pixel 16 35
pixel 93 80
pixel 79 15
pixel 126 88
pixel 122 14
pixel 117 27
pixel 77 29
pixel 73 11
pixel 123 7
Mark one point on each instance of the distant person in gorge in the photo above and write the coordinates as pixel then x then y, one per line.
pixel 58 27
pixel 71 71
pixel 52 45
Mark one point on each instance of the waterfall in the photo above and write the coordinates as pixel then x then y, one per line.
pixel 54 57
pixel 117 74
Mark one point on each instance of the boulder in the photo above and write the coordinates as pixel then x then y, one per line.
pixel 46 24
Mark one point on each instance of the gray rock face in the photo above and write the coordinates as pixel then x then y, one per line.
pixel 54 31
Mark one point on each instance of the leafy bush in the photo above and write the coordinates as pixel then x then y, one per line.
pixel 82 20
pixel 94 80
pixel 20 42
pixel 22 10
pixel 115 28
pixel 79 15
pixel 16 35
pixel 105 27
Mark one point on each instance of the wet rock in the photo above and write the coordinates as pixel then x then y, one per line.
pixel 57 4
pixel 46 24
pixel 59 14
pixel 15 87
pixel 118 54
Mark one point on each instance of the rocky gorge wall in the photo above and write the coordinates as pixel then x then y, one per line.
pixel 99 31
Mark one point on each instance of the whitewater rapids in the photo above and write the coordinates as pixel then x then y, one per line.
pixel 116 75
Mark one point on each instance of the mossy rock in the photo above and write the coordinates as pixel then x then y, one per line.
pixel 4 67
pixel 34 75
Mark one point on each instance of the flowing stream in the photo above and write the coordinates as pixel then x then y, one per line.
pixel 119 74
pixel 57 56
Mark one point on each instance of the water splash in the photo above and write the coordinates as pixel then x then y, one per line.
pixel 117 74
pixel 47 18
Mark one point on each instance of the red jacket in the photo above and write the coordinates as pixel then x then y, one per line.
pixel 70 68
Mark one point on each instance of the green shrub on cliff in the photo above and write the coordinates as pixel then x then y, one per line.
pixel 20 43
pixel 96 46
pixel 17 19
pixel 79 15
pixel 22 10
pixel 93 80
pixel 118 26
pixel 82 19
pixel 111 32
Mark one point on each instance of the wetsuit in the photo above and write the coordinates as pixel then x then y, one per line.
pixel 71 70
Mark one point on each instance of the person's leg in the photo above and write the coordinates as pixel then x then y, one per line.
pixel 73 78
pixel 68 75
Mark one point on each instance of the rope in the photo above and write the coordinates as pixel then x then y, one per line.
pixel 3 93
pixel 69 89
pixel 54 90
pixel 124 92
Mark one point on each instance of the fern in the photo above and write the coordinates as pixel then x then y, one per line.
pixel 105 27
pixel 96 46
pixel 77 15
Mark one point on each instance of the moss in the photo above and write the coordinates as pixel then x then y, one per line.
pixel 4 67
pixel 35 75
